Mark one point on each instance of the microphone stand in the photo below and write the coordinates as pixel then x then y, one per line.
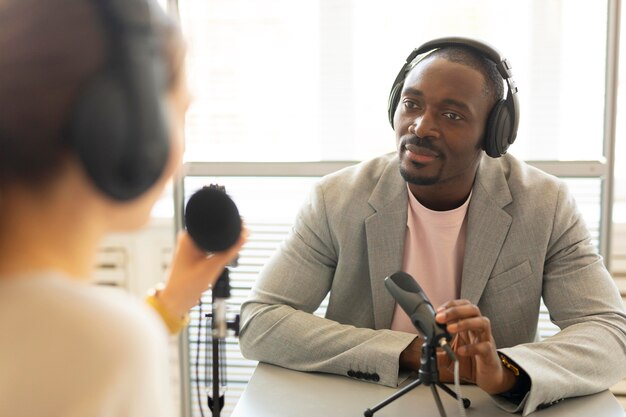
pixel 429 376
pixel 220 292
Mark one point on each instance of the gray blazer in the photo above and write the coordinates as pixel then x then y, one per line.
pixel 525 240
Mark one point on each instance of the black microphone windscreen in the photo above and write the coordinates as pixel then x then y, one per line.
pixel 408 283
pixel 412 299
pixel 404 290
pixel 212 219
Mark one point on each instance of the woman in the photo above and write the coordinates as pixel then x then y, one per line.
pixel 69 348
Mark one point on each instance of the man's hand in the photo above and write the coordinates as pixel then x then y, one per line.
pixel 475 340
pixel 411 356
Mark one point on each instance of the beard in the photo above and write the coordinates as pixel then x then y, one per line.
pixel 416 179
pixel 413 176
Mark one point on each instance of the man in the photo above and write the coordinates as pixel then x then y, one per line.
pixel 486 237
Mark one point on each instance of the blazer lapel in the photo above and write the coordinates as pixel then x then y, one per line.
pixel 487 227
pixel 385 231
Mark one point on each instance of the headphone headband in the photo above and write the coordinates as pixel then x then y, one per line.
pixel 501 129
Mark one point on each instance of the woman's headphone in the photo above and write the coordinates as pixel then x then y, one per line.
pixel 119 127
pixel 501 129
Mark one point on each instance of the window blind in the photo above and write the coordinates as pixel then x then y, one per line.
pixel 268 206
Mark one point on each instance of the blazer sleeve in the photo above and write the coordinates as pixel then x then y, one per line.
pixel 278 324
pixel 588 354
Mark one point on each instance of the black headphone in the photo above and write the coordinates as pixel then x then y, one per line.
pixel 119 127
pixel 503 120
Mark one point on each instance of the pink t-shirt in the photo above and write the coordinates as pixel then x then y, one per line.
pixel 434 247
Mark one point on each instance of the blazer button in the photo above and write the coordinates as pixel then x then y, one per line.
pixel 351 373
pixel 359 374
pixel 375 377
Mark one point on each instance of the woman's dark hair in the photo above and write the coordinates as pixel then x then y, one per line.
pixel 49 49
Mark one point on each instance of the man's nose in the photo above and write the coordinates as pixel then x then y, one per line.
pixel 425 125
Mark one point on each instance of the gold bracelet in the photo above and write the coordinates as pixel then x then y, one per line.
pixel 174 324
pixel 508 365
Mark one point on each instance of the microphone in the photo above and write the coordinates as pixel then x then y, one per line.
pixel 410 296
pixel 212 220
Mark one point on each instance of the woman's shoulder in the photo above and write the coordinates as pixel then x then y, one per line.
pixel 73 340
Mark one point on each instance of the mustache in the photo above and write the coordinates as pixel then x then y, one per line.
pixel 425 143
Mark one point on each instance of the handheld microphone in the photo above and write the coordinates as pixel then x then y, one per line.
pixel 410 296
pixel 212 220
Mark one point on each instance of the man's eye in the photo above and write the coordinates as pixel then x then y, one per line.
pixel 410 104
pixel 452 116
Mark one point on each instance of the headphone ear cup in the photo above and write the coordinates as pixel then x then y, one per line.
pixel 394 98
pixel 498 131
pixel 111 152
pixel 97 132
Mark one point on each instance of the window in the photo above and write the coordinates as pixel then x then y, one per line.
pixel 283 81
pixel 308 81
pixel 300 81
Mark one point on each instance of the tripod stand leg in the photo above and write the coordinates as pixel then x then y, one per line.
pixel 428 376
pixel 466 401
pixel 442 412
pixel 370 411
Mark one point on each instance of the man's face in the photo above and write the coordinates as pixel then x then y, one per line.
pixel 440 123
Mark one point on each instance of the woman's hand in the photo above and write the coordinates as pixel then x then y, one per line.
pixel 194 271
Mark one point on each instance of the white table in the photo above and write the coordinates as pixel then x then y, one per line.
pixel 278 392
